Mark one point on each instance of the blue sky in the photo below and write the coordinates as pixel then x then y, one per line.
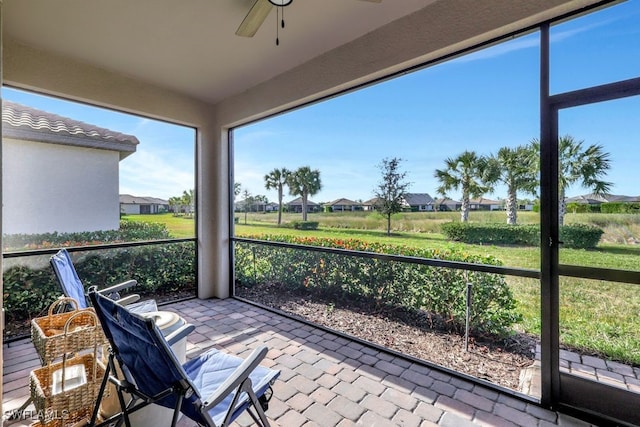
pixel 482 101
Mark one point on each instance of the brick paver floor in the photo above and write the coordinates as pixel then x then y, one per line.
pixel 326 380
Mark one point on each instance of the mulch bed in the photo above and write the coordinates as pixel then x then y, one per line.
pixel 411 332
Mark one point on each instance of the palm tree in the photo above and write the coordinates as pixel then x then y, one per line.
pixel 578 164
pixel 174 203
pixel 472 174
pixel 304 182
pixel 276 179
pixel 517 167
pixel 188 199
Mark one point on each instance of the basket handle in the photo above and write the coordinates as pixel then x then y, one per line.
pixel 88 313
pixel 67 324
pixel 63 300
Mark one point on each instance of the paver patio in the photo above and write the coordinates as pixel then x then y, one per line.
pixel 326 379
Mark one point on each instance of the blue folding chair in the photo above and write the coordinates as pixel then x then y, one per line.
pixel 72 286
pixel 212 389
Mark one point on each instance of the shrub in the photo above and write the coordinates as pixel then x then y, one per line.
pixel 620 207
pixel 574 207
pixel 576 236
pixel 498 234
pixel 159 269
pixel 128 231
pixel 440 291
pixel 305 225
pixel 580 236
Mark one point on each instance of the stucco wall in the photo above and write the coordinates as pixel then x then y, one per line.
pixel 51 187
pixel 130 209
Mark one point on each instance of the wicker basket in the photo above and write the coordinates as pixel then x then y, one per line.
pixel 53 335
pixel 66 401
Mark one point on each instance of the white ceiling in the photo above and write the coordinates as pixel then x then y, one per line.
pixel 190 46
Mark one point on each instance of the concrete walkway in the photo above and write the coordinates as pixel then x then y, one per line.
pixel 326 380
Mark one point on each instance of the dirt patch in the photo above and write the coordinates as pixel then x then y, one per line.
pixel 412 332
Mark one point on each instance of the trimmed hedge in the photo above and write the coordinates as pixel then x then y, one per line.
pixel 582 208
pixel 619 207
pixel 576 236
pixel 440 291
pixel 129 231
pixel 30 285
pixel 528 235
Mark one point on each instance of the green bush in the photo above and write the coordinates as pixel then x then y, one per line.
pixel 582 208
pixel 620 207
pixel 498 234
pixel 576 236
pixel 580 236
pixel 305 225
pixel 129 231
pixel 440 291
pixel 159 269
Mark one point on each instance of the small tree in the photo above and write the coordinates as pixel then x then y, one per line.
pixel 174 203
pixel 304 182
pixel 248 199
pixel 391 189
pixel 188 199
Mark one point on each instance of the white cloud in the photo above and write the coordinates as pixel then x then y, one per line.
pixel 145 173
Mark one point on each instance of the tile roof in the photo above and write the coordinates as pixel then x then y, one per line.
pixel 344 202
pixel 414 199
pixel 129 199
pixel 30 124
pixel 298 201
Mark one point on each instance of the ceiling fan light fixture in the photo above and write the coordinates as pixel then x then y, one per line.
pixel 280 3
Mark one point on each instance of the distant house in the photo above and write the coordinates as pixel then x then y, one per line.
pixel 419 202
pixel 370 205
pixel 252 205
pixel 271 207
pixel 482 204
pixel 142 205
pixel 445 204
pixel 344 205
pixel 295 206
pixel 59 174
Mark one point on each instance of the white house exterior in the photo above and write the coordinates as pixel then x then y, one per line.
pixel 134 205
pixel 59 174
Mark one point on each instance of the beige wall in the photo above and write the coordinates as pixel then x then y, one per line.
pixel 76 188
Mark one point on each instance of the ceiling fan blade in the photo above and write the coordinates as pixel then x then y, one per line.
pixel 254 19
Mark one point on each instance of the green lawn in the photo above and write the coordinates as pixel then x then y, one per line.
pixel 179 226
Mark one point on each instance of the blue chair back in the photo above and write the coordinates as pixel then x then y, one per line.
pixel 68 277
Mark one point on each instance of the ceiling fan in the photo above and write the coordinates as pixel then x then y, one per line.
pixel 258 13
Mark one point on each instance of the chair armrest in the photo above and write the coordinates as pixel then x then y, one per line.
pixel 118 287
pixel 241 373
pixel 128 299
pixel 179 333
